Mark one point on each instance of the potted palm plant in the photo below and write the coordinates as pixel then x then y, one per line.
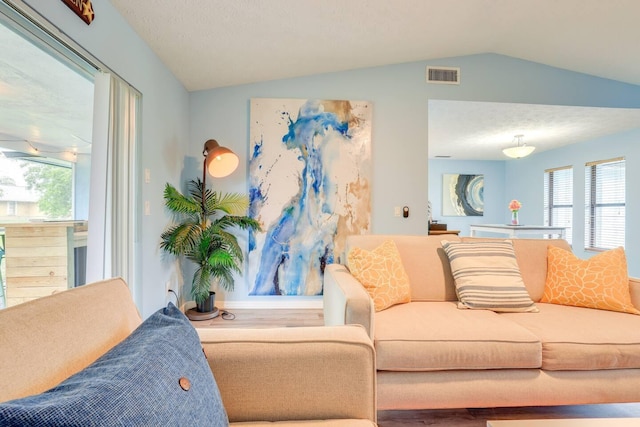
pixel 201 234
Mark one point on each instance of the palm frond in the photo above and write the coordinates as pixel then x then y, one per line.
pixel 201 283
pixel 178 203
pixel 230 243
pixel 181 238
pixel 243 222
pixel 222 260
pixel 211 198
pixel 232 203
pixel 225 280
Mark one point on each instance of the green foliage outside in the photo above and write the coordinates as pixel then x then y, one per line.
pixel 54 185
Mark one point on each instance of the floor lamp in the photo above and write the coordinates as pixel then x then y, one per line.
pixel 218 162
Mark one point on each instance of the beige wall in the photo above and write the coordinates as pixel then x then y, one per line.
pixel 24 212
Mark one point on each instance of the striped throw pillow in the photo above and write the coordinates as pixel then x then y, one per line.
pixel 487 276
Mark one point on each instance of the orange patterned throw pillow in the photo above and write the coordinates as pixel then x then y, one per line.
pixel 599 282
pixel 381 273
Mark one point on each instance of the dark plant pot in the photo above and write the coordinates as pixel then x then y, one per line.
pixel 208 305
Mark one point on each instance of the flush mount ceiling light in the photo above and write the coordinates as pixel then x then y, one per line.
pixel 520 150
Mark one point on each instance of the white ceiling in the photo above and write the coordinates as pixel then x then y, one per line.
pixel 480 130
pixel 44 105
pixel 215 43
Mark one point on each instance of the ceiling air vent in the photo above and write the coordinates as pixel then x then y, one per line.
pixel 443 75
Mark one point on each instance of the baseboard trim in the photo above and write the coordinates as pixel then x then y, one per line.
pixel 265 305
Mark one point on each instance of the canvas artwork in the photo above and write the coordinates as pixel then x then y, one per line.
pixel 309 187
pixel 463 195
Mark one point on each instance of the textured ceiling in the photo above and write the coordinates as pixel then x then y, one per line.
pixel 480 130
pixel 215 43
pixel 43 103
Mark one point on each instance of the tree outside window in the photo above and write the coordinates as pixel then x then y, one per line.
pixel 54 185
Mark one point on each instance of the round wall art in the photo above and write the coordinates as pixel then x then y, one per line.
pixel 463 195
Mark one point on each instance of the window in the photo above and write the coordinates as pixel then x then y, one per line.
pixel 104 121
pixel 604 204
pixel 558 198
pixel 11 208
pixel 46 115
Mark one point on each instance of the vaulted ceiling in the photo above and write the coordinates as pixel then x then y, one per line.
pixel 214 43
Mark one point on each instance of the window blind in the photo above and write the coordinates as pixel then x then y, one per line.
pixel 605 204
pixel 558 199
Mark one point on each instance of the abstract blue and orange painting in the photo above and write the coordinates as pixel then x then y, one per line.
pixel 309 187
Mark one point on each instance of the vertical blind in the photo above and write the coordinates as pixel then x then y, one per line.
pixel 558 198
pixel 605 204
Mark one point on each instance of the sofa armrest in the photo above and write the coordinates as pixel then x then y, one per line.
pixel 345 301
pixel 305 373
pixel 634 288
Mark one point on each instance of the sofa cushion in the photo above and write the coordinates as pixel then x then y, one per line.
pixel 381 273
pixel 487 276
pixel 575 338
pixel 531 255
pixel 433 336
pixel 156 376
pixel 599 282
pixel 423 259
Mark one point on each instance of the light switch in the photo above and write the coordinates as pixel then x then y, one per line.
pixel 147 208
pixel 147 175
pixel 397 211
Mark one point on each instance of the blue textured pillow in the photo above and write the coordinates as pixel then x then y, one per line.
pixel 158 376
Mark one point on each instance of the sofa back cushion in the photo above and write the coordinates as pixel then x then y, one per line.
pixel 531 255
pixel 47 340
pixel 429 271
pixel 424 261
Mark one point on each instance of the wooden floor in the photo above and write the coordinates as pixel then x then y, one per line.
pixel 275 318
pixel 440 418
pixel 479 417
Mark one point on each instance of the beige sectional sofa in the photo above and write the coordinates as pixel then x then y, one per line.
pixel 310 376
pixel 431 354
